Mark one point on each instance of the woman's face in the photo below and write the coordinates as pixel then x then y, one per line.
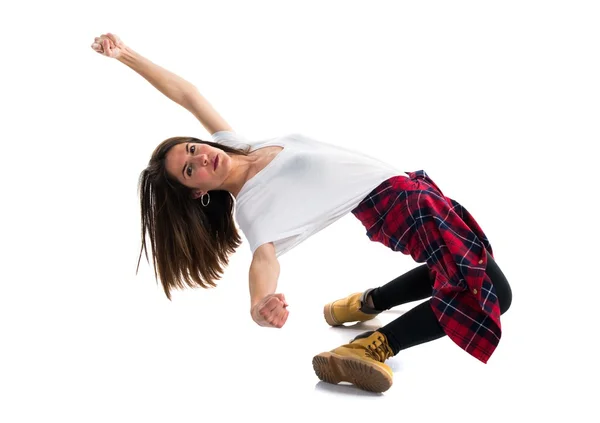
pixel 193 164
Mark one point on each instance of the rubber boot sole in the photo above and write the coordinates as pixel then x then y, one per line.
pixel 334 368
pixel 328 313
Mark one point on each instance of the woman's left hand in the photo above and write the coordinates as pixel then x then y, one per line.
pixel 271 311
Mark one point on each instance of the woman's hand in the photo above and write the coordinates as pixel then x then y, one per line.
pixel 271 311
pixel 108 45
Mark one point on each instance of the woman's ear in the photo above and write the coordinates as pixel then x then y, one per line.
pixel 197 194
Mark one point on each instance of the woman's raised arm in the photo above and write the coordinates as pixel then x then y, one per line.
pixel 171 85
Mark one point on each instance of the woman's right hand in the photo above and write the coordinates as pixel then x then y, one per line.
pixel 271 311
pixel 108 45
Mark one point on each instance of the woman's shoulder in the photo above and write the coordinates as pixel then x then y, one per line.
pixel 231 137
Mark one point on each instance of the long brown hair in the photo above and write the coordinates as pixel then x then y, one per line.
pixel 190 243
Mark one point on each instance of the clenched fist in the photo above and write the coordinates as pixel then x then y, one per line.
pixel 271 311
pixel 108 45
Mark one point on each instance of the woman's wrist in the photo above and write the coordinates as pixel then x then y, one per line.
pixel 128 56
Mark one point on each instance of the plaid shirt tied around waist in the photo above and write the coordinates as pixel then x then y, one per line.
pixel 413 216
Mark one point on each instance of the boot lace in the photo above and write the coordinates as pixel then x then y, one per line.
pixel 379 350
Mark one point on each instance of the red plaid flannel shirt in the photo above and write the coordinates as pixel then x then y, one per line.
pixel 413 216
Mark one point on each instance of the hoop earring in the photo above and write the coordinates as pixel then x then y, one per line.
pixel 202 199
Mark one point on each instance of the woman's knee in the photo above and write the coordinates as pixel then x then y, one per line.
pixel 505 298
pixel 501 285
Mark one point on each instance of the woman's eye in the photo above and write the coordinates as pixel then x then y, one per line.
pixel 189 171
pixel 192 149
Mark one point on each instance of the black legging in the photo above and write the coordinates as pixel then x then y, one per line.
pixel 419 325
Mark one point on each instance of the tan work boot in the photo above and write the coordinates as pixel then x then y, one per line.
pixel 361 362
pixel 353 308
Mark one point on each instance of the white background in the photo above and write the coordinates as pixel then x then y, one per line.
pixel 497 101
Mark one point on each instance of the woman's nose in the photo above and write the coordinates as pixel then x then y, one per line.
pixel 203 159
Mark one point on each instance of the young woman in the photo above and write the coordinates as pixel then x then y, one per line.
pixel 192 190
